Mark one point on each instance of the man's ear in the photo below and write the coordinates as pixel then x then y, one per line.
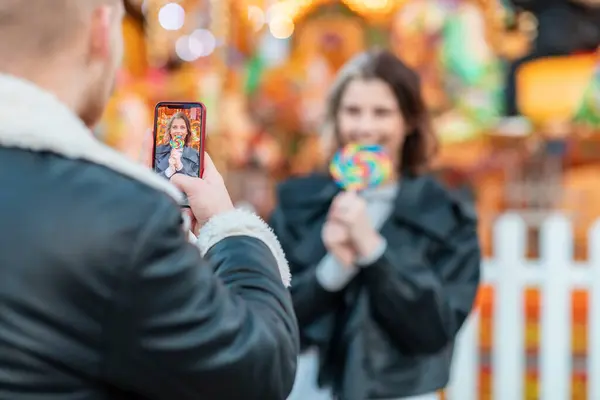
pixel 100 33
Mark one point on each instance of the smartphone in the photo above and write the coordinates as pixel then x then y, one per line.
pixel 179 139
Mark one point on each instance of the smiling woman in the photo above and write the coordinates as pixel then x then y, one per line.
pixel 384 277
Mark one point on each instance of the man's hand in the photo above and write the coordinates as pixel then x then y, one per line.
pixel 207 196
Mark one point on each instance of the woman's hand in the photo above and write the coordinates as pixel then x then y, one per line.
pixel 337 242
pixel 175 161
pixel 350 210
pixel 172 162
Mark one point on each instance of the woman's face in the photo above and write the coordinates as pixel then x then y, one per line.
pixel 369 114
pixel 179 128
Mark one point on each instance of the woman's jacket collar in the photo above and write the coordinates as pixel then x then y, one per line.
pixel 421 202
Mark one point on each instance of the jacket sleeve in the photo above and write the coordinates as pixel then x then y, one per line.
pixel 183 328
pixel 420 302
pixel 311 300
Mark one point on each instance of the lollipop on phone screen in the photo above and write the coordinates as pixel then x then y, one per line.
pixel 176 143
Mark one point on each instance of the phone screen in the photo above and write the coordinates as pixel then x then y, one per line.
pixel 178 139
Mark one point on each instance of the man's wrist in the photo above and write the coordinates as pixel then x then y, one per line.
pixel 242 223
pixel 226 207
pixel 222 211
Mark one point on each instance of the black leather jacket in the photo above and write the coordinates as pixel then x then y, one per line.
pixel 390 332
pixel 102 296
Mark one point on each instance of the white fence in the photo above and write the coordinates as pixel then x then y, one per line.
pixel 556 274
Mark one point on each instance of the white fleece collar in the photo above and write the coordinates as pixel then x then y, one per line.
pixel 35 120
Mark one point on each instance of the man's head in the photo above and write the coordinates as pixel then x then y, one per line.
pixel 72 48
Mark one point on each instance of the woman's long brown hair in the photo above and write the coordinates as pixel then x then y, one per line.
pixel 420 144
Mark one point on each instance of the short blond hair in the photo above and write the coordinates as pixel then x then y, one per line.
pixel 40 28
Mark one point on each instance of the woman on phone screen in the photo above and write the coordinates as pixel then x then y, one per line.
pixel 176 155
pixel 383 279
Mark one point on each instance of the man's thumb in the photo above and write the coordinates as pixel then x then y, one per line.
pixel 185 183
pixel 211 174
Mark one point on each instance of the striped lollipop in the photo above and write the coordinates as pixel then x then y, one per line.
pixel 357 167
pixel 177 143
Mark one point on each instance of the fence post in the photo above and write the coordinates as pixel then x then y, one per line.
pixel 465 364
pixel 509 326
pixel 594 313
pixel 555 349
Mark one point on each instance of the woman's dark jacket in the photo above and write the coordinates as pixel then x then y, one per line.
pixel 391 331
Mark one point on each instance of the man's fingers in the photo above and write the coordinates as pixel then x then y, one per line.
pixel 189 217
pixel 208 161
pixel 147 146
pixel 209 165
pixel 186 184
pixel 211 173
pixel 194 226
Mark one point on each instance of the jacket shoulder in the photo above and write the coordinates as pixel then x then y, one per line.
pixel 302 199
pixel 128 193
pixel 87 197
pixel 438 194
pixel 298 184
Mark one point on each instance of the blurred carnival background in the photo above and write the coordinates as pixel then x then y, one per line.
pixel 514 87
